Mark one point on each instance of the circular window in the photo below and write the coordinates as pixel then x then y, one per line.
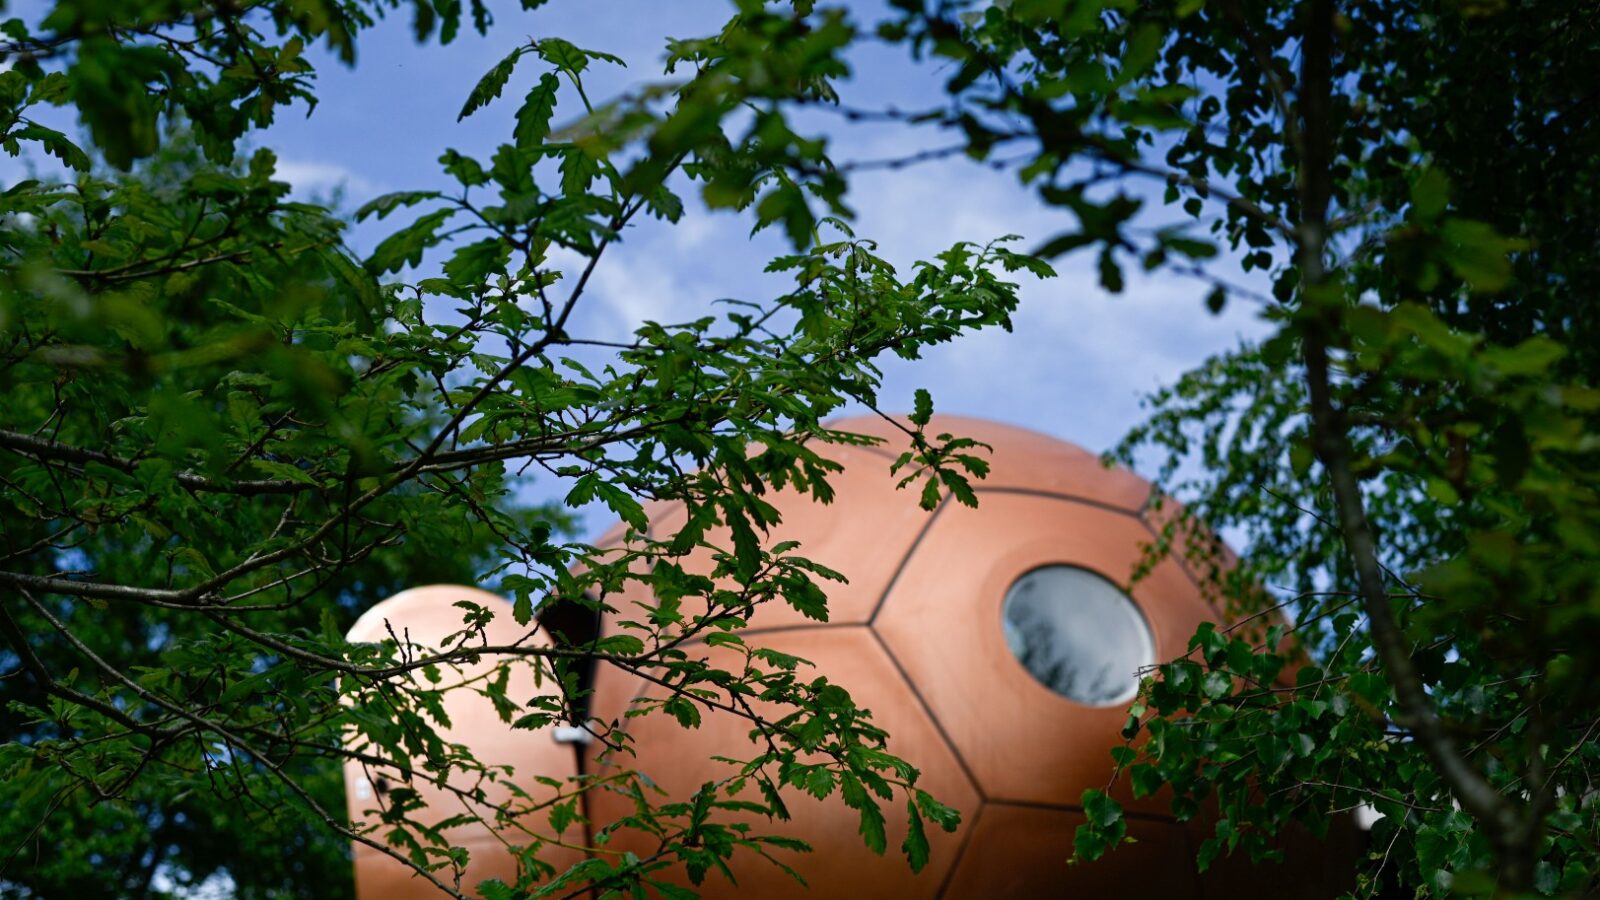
pixel 1078 634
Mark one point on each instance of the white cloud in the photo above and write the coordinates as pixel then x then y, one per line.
pixel 310 177
pixel 1079 357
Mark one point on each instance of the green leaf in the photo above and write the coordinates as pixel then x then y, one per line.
pixel 388 203
pixel 915 846
pixel 1062 244
pixel 664 204
pixel 623 504
pixel 946 817
pixel 1110 272
pixel 570 58
pixel 620 645
pixel 491 84
pixel 872 826
pixel 1217 685
pixel 1141 51
pixel 808 599
pixel 1088 843
pixel 474 263
pixel 1194 249
pixel 578 171
pixel 1477 254
pixel 746 547
pixel 960 487
pixel 56 144
pixel 1531 357
pixel 922 410
pixel 1033 264
pixel 1216 299
pixel 405 247
pixel 494 889
pixel 1430 194
pixel 1100 809
pixel 1301 457
pixel 533 118
pixel 687 714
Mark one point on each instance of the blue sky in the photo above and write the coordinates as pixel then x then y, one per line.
pixel 1075 366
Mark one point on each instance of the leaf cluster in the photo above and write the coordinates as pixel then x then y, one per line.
pixel 1409 453
pixel 225 436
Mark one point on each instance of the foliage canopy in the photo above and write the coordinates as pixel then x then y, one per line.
pixel 217 418
pixel 224 435
pixel 1411 453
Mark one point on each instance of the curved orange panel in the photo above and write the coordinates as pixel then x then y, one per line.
pixel 1312 869
pixel 1022 459
pixel 942 622
pixel 614 688
pixel 680 761
pixel 1022 852
pixel 918 637
pixel 866 503
pixel 425 617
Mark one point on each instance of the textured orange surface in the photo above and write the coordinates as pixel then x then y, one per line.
pixel 425 617
pixel 1022 851
pixel 852 656
pixel 916 636
pixel 973 684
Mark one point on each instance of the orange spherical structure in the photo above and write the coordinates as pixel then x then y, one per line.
pixel 996 648
pixel 995 645
pixel 423 618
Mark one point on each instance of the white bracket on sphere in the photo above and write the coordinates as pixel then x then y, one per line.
pixel 571 734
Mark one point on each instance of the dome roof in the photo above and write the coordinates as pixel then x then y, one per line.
pixel 997 646
pixel 921 635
